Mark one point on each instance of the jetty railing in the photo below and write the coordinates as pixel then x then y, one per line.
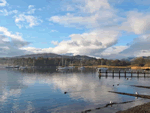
pixel 126 73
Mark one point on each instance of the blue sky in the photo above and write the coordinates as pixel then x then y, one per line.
pixel 99 28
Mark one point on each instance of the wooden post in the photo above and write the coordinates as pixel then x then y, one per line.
pixel 125 73
pixel 100 76
pixel 106 73
pixel 119 73
pixel 113 73
pixel 137 73
pixel 100 71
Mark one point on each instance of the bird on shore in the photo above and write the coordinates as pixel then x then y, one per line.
pixel 111 103
pixel 136 93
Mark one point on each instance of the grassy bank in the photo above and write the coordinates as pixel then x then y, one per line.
pixel 123 67
pixel 99 66
pixel 138 67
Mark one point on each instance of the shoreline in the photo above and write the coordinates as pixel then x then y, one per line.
pixel 99 66
pixel 144 108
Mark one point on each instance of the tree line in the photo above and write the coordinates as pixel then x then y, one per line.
pixel 65 62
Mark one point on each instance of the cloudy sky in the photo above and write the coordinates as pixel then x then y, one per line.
pixel 99 28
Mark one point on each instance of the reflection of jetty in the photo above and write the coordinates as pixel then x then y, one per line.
pixel 119 73
pixel 12 66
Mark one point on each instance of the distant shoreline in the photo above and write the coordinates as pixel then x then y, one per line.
pixel 99 66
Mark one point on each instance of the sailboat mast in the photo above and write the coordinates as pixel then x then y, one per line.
pixel 62 60
pixel 81 62
pixel 65 63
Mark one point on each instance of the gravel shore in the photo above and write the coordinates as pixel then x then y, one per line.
pixel 145 108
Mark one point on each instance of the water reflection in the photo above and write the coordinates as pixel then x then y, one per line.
pixel 28 91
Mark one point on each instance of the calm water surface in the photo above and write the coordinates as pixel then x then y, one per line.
pixel 41 92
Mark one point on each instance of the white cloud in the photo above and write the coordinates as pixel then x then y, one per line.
pixel 68 8
pixel 89 14
pixel 37 50
pixel 54 42
pixel 30 6
pixel 22 19
pixel 86 6
pixel 3 3
pixel 137 2
pixel 113 50
pixel 54 31
pixel 137 22
pixel 9 34
pixel 10 44
pixel 92 6
pixel 7 13
pixel 31 9
pixel 139 47
pixel 102 18
pixel 83 43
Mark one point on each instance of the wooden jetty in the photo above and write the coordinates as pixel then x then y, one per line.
pixel 135 95
pixel 125 73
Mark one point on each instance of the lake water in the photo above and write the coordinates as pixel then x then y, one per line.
pixel 41 92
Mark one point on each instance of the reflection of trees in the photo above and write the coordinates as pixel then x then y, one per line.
pixel 44 62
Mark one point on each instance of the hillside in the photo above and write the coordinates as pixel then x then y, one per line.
pixel 52 55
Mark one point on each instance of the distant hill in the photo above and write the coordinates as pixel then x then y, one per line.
pixel 129 58
pixel 52 55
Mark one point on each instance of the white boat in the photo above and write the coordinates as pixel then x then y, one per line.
pixel 9 67
pixel 22 67
pixel 102 69
pixel 71 67
pixel 12 66
pixel 16 66
pixel 82 67
pixel 62 67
